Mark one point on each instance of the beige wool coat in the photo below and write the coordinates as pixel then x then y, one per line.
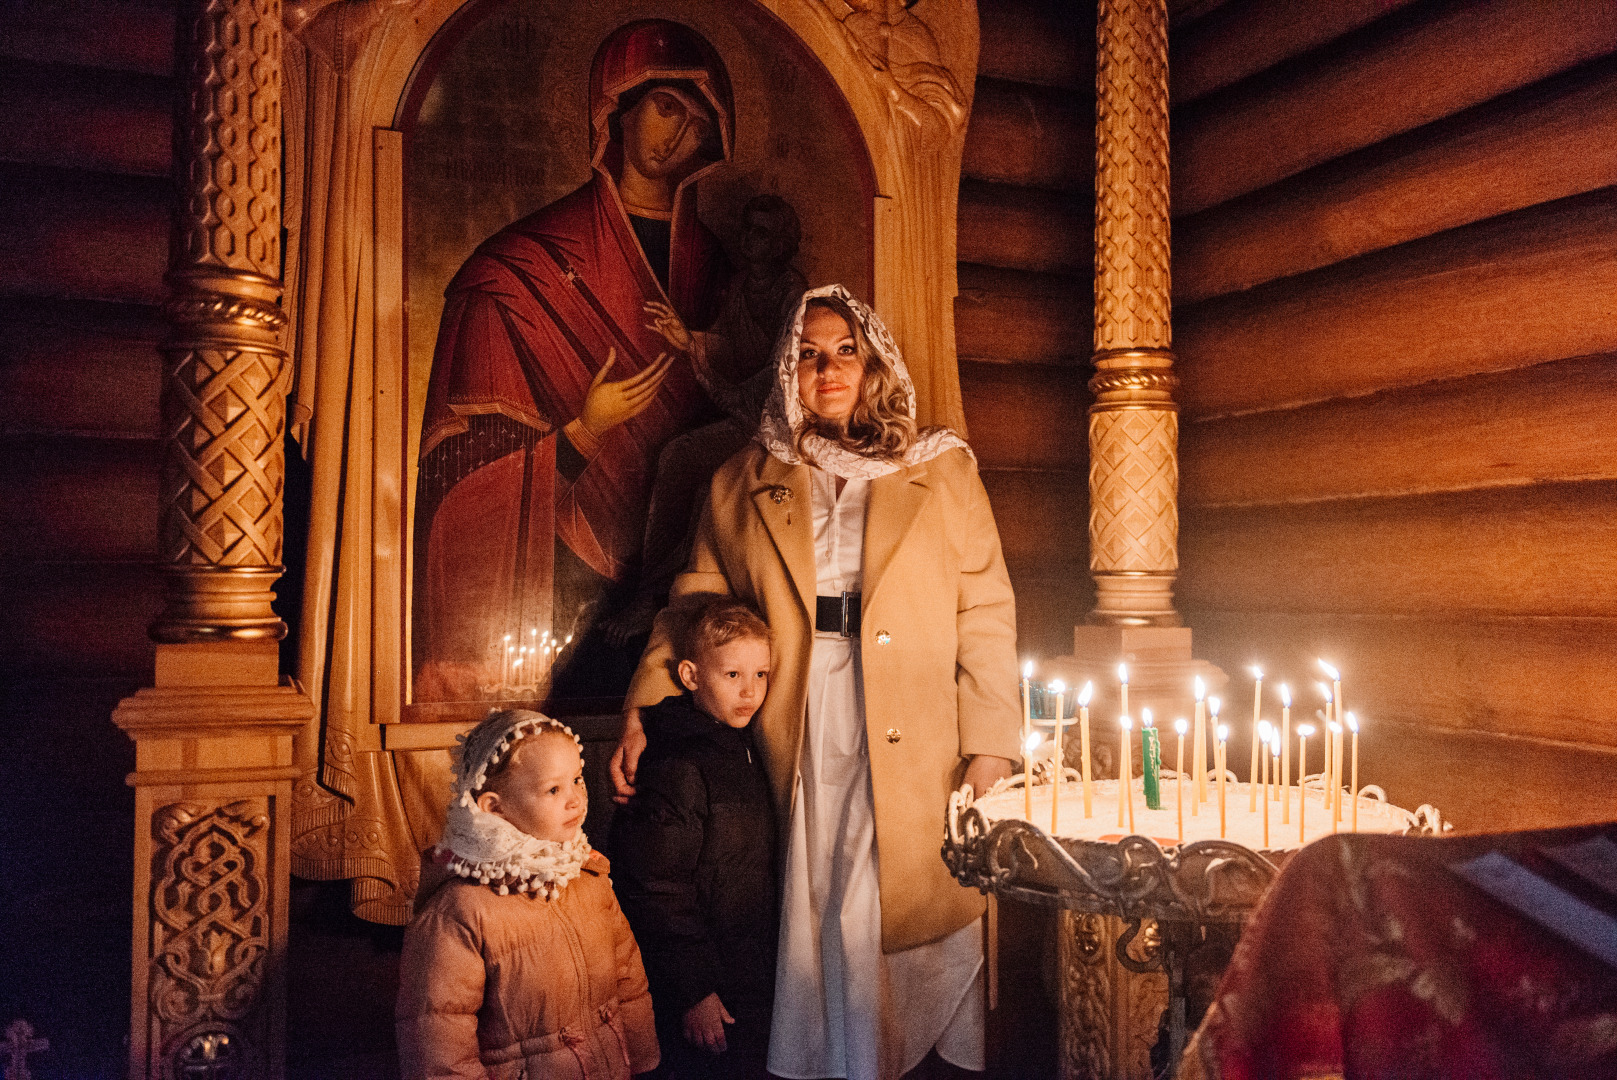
pixel 937 642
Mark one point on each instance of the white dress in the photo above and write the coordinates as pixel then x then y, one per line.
pixel 842 1007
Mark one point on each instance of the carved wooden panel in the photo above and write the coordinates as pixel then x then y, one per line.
pixel 1109 1014
pixel 210 939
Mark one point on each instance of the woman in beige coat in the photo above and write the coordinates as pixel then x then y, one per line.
pixel 871 550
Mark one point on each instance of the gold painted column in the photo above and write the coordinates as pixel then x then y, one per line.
pixel 214 737
pixel 1134 423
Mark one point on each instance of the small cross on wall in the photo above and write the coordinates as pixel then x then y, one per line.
pixel 18 1044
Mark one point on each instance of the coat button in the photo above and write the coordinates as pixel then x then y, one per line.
pixel 883 637
pixel 893 734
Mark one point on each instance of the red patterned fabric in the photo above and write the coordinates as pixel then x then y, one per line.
pixel 1372 959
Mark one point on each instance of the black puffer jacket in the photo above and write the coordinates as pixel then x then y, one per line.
pixel 693 862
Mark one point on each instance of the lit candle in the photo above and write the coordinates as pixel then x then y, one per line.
pixel 1285 756
pixel 1266 745
pixel 1274 763
pixel 1303 732
pixel 1265 733
pixel 1150 761
pixel 1198 745
pixel 1220 757
pixel 1127 776
pixel 1179 775
pixel 1340 761
pixel 1257 711
pixel 1083 747
pixel 1028 742
pixel 1327 773
pixel 1125 767
pixel 1060 689
pixel 1123 686
pixel 1353 726
pixel 1333 772
pixel 505 662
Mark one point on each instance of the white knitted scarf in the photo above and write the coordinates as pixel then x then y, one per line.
pixel 784 416
pixel 487 848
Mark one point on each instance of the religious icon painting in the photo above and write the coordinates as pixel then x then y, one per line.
pixel 609 209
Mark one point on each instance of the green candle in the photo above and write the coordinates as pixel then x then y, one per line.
pixel 1151 758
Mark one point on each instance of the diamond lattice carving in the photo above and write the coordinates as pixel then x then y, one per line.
pixel 224 414
pixel 1134 490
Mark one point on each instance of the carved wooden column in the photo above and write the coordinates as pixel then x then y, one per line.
pixel 1110 1014
pixel 214 736
pixel 1134 423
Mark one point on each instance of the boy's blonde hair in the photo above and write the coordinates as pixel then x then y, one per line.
pixel 717 622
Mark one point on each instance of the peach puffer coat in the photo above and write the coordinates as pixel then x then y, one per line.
pixel 521 988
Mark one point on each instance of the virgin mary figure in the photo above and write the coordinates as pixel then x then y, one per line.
pixel 550 397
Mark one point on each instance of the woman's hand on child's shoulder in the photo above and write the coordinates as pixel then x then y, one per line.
pixel 626 758
pixel 704 1024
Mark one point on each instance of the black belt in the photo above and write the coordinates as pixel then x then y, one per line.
pixel 837 614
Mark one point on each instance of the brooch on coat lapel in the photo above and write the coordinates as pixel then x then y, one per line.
pixel 782 495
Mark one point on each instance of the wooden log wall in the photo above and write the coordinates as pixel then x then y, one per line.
pixel 1397 329
pixel 85 92
pixel 1024 315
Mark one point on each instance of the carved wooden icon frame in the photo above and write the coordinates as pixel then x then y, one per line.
pixel 346 258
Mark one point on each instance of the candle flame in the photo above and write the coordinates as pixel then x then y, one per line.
pixel 1336 729
pixel 1274 745
pixel 1326 690
pixel 1123 674
pixel 1336 676
pixel 1085 694
pixel 1125 723
pixel 1264 727
pixel 1285 695
pixel 1057 687
pixel 1353 723
pixel 517 662
pixel 1033 741
pixel 1223 732
pixel 1257 672
pixel 1181 725
pixel 569 640
pixel 1027 670
pixel 1213 705
pixel 535 630
pixel 1201 688
pixel 508 637
pixel 1305 730
pixel 1145 717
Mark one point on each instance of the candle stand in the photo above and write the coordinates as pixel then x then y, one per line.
pixel 1139 924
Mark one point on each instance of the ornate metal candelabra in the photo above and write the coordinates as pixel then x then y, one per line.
pixel 1179 912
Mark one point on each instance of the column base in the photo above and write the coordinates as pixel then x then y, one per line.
pixel 1134 599
pixel 214 768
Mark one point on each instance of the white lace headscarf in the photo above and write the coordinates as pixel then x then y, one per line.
pixel 784 416
pixel 485 847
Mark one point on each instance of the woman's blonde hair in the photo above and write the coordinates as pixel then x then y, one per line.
pixel 880 425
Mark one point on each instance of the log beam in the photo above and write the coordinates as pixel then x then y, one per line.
pixel 1437 308
pixel 1535 146
pixel 1240 40
pixel 1391 83
pixel 1548 549
pixel 1443 436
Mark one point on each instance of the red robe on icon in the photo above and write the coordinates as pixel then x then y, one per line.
pixel 527 323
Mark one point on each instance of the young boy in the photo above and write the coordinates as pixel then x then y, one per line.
pixel 521 964
pixel 695 852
